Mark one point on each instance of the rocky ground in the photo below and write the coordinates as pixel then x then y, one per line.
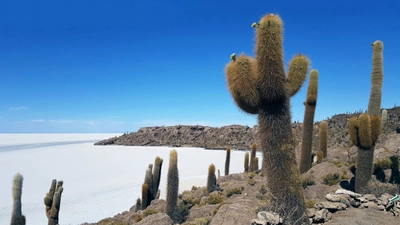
pixel 242 198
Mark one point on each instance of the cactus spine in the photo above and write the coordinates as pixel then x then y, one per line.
pixel 308 123
pixel 323 138
pixel 16 217
pixel 252 156
pixel 211 179
pixel 172 184
pixel 366 147
pixel 227 161
pixel 261 87
pixel 246 162
pixel 52 200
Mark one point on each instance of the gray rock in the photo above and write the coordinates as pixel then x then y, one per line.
pixel 332 197
pixel 241 211
pixel 310 212
pixel 370 197
pixel 330 205
pixel 347 192
pixel 270 217
pixel 322 216
pixel 156 219
pixel 354 203
pixel 258 222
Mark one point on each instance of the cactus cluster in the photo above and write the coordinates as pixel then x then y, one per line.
pixel 151 183
pixel 52 201
pixel 260 86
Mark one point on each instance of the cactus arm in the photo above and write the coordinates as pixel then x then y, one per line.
pixel 241 80
pixel 375 98
pixel 298 69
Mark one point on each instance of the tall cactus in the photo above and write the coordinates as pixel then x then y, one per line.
pixel 172 184
pixel 227 161
pixel 259 86
pixel 323 138
pixel 308 122
pixel 252 156
pixel 16 217
pixel 52 201
pixel 365 153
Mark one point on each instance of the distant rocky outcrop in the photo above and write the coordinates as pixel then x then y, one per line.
pixel 241 137
pixel 235 136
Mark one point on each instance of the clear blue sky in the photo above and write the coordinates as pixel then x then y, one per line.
pixel 115 66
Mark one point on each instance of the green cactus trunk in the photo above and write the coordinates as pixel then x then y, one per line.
pixel 279 163
pixel 172 184
pixel 16 217
pixel 227 161
pixel 308 123
pixel 365 156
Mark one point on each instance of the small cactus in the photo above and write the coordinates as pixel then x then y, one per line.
pixel 16 217
pixel 320 156
pixel 323 138
pixel 246 162
pixel 211 179
pixel 252 156
pixel 255 163
pixel 227 161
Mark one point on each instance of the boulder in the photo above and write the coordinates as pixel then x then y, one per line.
pixel 241 211
pixel 322 216
pixel 156 219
